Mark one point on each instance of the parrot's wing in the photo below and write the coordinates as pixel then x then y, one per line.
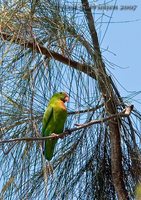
pixel 46 118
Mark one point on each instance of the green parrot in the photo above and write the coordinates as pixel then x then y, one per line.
pixel 53 121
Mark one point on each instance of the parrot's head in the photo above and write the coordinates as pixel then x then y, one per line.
pixel 63 96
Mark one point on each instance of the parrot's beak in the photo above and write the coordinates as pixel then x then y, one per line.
pixel 66 98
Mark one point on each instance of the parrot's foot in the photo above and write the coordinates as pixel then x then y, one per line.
pixel 54 135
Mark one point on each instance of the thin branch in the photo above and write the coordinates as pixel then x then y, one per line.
pixel 9 149
pixel 125 113
pixel 39 48
pixel 90 19
pixel 86 110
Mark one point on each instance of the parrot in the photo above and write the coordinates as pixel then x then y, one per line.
pixel 53 122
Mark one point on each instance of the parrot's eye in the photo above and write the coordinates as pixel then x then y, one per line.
pixel 61 93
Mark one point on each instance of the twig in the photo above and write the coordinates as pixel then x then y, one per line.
pixel 9 149
pixel 86 110
pixel 125 113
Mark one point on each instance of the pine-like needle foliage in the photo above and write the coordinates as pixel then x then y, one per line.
pixel 30 72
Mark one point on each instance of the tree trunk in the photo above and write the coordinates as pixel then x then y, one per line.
pixel 110 103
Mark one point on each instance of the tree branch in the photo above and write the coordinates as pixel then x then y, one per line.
pixel 89 17
pixel 125 113
pixel 39 48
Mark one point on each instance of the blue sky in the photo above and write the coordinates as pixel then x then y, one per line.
pixel 124 40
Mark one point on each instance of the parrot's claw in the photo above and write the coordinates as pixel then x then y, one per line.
pixel 54 135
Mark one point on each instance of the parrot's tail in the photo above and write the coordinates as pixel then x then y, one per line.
pixel 49 149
